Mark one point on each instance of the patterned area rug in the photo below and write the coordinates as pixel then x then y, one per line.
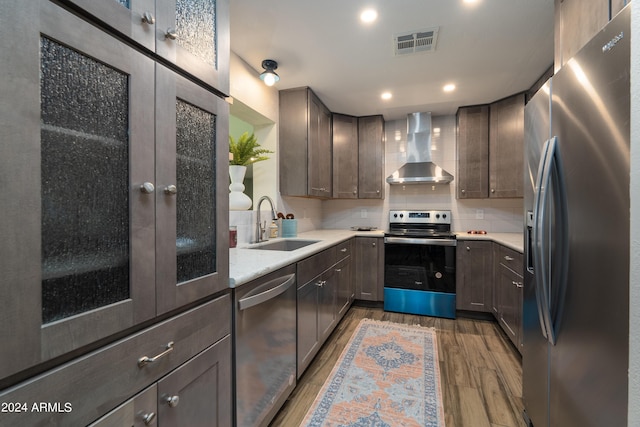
pixel 386 376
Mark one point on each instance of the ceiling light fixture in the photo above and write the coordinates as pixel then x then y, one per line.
pixel 269 76
pixel 368 16
pixel 449 87
pixel 386 95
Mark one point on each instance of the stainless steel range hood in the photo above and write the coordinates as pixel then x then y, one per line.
pixel 419 168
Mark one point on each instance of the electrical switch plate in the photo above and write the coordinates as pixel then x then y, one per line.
pixel 479 213
pixel 363 213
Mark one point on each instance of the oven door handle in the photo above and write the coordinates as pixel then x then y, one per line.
pixel 419 241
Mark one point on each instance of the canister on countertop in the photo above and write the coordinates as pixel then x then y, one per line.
pixel 273 230
pixel 233 236
pixel 289 227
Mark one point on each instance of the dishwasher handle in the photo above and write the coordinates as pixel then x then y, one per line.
pixel 273 287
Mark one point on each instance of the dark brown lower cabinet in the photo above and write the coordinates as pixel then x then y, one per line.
pixel 325 293
pixel 188 364
pixel 370 268
pixel 195 394
pixel 474 275
pixel 508 292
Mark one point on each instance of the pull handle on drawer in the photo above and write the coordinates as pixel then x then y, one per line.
pixel 144 360
pixel 508 258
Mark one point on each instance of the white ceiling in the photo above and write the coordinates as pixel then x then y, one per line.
pixel 489 50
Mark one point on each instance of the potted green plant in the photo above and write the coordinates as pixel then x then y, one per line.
pixel 245 151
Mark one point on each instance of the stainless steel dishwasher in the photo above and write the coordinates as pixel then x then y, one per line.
pixel 265 346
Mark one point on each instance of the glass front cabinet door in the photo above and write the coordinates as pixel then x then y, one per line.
pixel 110 177
pixel 192 34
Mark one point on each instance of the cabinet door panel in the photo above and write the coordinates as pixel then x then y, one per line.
pixel 344 293
pixel 506 147
pixel 80 221
pixel 191 136
pixel 307 323
pixel 474 275
pixel 345 156
pixel 195 36
pixel 198 393
pixel 473 152
pixel 126 16
pixel 327 303
pixel 370 157
pixel 576 22
pixel 369 281
pixel 319 150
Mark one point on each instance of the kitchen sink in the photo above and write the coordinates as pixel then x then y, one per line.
pixel 284 245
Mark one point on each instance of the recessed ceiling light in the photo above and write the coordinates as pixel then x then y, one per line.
pixel 471 1
pixel 449 87
pixel 368 15
pixel 386 95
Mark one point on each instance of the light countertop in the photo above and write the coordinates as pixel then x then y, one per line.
pixel 248 264
pixel 514 241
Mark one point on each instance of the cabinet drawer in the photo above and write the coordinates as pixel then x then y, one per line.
pixel 314 265
pixel 509 258
pixel 96 383
pixel 344 250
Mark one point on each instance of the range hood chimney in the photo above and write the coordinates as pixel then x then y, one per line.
pixel 419 168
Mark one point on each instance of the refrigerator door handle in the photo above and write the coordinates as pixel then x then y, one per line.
pixel 550 254
pixel 540 276
pixel 558 255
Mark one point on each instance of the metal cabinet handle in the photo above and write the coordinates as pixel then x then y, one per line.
pixel 519 285
pixel 373 244
pixel 343 250
pixel 508 258
pixel 148 418
pixel 493 190
pixel 144 360
pixel 468 248
pixel 355 191
pixel 172 401
pixel 338 270
pixel 321 283
pixel 463 191
pixel 171 34
pixel 171 190
pixel 148 18
pixel 147 188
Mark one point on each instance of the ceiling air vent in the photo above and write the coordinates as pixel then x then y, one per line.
pixel 415 41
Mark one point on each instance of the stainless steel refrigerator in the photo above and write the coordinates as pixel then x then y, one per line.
pixel 576 294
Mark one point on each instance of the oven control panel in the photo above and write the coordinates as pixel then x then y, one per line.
pixel 420 217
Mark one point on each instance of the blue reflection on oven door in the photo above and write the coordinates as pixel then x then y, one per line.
pixel 424 303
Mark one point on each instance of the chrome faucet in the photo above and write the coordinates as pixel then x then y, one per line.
pixel 259 229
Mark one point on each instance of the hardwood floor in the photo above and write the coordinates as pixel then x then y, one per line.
pixel 480 371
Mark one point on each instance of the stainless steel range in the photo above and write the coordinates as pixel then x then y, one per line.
pixel 420 263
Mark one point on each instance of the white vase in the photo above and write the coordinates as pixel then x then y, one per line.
pixel 238 201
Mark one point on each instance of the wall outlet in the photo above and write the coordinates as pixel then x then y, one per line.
pixel 363 213
pixel 479 213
